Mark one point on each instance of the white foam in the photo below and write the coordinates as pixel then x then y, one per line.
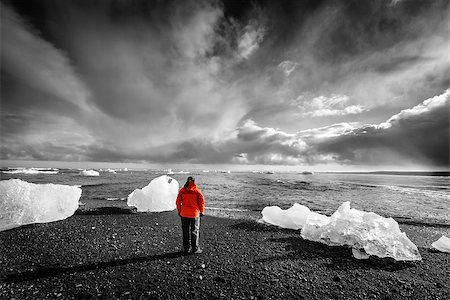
pixel 115 199
pixel 32 171
pixel 227 209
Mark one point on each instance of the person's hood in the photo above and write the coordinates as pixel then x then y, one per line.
pixel 191 186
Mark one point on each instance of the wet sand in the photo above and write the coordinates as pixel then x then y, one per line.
pixel 112 254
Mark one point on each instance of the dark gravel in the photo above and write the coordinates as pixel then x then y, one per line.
pixel 112 255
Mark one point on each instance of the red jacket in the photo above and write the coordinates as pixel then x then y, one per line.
pixel 190 202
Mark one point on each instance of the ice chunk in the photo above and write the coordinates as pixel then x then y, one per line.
pixel 159 195
pixel 26 203
pixel 373 233
pixel 442 244
pixel 292 218
pixel 366 232
pixel 89 173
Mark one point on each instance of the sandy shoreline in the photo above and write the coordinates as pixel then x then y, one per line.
pixel 114 254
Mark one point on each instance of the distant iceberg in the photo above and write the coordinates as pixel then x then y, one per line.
pixel 171 172
pixel 222 171
pixel 366 232
pixel 32 171
pixel 89 173
pixel 24 203
pixel 159 195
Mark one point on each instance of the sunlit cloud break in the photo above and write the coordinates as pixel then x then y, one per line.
pixel 335 105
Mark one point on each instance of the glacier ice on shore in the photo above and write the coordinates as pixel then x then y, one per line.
pixel 366 232
pixel 442 244
pixel 89 173
pixel 292 218
pixel 159 195
pixel 24 203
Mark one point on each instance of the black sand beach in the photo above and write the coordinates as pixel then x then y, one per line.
pixel 111 254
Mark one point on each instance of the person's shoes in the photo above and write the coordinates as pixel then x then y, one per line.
pixel 197 251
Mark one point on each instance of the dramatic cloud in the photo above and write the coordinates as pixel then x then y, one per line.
pixel 212 81
pixel 37 63
pixel 419 135
pixel 404 138
pixel 144 83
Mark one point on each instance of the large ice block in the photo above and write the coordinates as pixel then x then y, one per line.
pixel 366 232
pixel 159 195
pixel 26 203
pixel 363 231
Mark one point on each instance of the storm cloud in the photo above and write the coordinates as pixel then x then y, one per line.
pixel 420 134
pixel 245 82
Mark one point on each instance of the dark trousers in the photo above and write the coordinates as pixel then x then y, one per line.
pixel 191 233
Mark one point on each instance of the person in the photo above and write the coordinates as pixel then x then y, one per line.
pixel 190 206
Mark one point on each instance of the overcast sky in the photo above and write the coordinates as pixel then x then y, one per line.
pixel 347 83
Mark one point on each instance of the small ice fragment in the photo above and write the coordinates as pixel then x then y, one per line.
pixel 442 244
pixel 89 173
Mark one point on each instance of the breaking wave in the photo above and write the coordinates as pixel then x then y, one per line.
pixel 31 171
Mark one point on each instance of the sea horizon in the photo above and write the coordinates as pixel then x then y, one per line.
pixel 381 170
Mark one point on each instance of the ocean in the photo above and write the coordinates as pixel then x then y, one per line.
pixel 415 198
